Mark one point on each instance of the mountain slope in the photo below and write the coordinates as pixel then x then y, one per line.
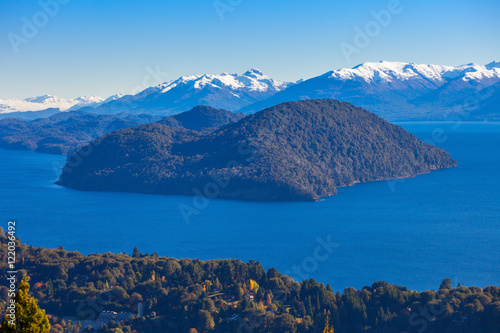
pixel 393 90
pixel 30 115
pixel 63 132
pixel 226 91
pixel 482 105
pixel 293 151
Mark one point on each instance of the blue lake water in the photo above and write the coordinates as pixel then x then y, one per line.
pixel 412 232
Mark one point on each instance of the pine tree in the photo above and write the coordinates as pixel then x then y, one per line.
pixel 29 317
pixel 50 289
pixel 135 253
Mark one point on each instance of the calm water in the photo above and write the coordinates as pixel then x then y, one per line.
pixel 414 232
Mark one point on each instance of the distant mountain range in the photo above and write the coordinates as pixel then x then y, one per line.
pixel 393 90
pixel 293 151
pixel 225 91
pixel 403 91
pixel 51 102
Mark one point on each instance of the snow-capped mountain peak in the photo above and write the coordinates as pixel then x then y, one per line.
pixel 252 80
pixel 113 97
pixel 254 72
pixel 89 99
pixel 390 71
pixel 229 91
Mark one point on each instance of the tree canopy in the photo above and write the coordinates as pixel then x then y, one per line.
pixel 216 296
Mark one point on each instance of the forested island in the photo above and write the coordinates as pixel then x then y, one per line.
pixel 150 293
pixel 293 151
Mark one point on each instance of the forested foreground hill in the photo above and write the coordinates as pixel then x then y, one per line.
pixel 233 296
pixel 292 151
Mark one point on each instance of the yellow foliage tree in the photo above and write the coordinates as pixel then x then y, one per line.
pixel 328 328
pixel 29 318
pixel 254 286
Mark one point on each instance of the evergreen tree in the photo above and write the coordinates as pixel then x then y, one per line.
pixel 29 317
pixel 135 253
pixel 205 321
pixel 446 284
pixel 309 306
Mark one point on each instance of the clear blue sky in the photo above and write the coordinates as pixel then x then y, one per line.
pixel 97 47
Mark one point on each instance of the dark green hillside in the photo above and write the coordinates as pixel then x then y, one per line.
pixel 293 151
pixel 202 118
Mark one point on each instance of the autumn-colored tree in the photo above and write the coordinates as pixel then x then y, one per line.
pixel 328 328
pixel 254 286
pixel 29 318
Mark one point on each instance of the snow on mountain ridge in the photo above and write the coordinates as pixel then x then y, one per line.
pixel 385 71
pixel 481 72
pixel 113 97
pixel 45 99
pixel 252 80
pixel 390 82
pixel 44 102
pixel 89 99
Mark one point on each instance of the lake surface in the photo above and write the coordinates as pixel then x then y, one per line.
pixel 412 232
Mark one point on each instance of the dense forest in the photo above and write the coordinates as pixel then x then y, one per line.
pixel 189 295
pixel 292 151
